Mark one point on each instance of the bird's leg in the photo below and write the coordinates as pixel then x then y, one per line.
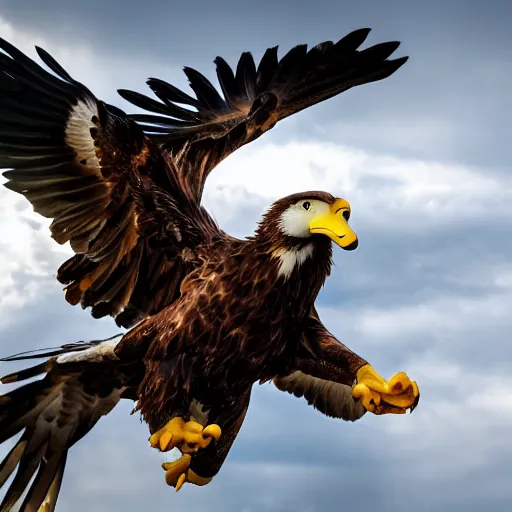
pixel 188 436
pixel 383 397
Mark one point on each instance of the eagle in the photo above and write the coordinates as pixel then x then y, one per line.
pixel 207 315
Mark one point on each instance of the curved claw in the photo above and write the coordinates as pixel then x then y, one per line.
pixel 174 470
pixel 398 383
pixel 188 436
pixel 212 431
pixel 181 481
pixel 380 397
pixel 165 441
pixel 368 397
pixel 416 395
pixel 179 472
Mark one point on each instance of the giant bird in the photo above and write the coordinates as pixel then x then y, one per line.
pixel 207 315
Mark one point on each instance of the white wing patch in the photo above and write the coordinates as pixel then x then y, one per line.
pixel 290 258
pixel 96 354
pixel 78 135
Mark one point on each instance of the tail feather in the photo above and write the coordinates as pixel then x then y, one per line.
pixel 83 382
pixel 50 500
pixel 22 406
pixel 27 467
pixel 48 471
pixel 12 459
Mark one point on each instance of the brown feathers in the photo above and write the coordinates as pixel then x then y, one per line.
pixel 210 314
pixel 114 197
pixel 325 372
pixel 236 321
pixel 82 383
pixel 254 98
pixel 330 398
pixel 129 203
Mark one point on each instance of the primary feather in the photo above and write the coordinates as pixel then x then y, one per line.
pixel 253 98
pixel 209 314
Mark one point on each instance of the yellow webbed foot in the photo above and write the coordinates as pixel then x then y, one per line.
pixel 385 397
pixel 188 436
pixel 179 472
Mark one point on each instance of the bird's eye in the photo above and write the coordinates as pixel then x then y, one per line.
pixel 346 215
pixel 306 205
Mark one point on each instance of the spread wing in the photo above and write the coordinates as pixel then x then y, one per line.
pixel 204 130
pixel 114 196
pixel 82 383
pixel 325 374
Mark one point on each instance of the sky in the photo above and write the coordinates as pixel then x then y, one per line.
pixel 423 158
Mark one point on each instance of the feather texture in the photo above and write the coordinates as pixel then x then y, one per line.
pixel 328 397
pixel 210 314
pixel 82 383
pixel 114 197
pixel 254 98
pixel 324 372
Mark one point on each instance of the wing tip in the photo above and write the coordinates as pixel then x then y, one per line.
pixel 399 61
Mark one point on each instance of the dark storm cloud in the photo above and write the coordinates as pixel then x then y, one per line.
pixel 448 103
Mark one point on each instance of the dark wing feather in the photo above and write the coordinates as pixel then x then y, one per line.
pixel 253 98
pixel 82 382
pixel 110 193
pixel 330 398
pixel 324 373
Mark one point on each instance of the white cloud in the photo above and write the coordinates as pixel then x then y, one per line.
pixel 411 135
pixel 20 249
pixel 444 440
pixel 443 315
pixel 102 72
pixel 24 248
pixel 384 190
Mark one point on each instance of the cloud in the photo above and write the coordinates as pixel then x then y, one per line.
pixel 427 291
pixel 384 190
pixel 102 72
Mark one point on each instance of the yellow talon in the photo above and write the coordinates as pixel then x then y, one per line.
pixel 188 436
pixel 165 441
pixel 212 431
pixel 368 397
pixel 173 470
pixel 179 472
pixel 381 397
pixel 404 400
pixel 399 383
pixel 181 481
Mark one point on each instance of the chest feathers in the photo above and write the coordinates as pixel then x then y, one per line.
pixel 290 259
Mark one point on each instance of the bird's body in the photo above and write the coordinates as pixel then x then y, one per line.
pixel 208 314
pixel 229 328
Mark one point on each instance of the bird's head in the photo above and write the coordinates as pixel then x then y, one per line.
pixel 299 219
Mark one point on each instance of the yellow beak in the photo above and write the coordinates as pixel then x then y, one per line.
pixel 334 225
